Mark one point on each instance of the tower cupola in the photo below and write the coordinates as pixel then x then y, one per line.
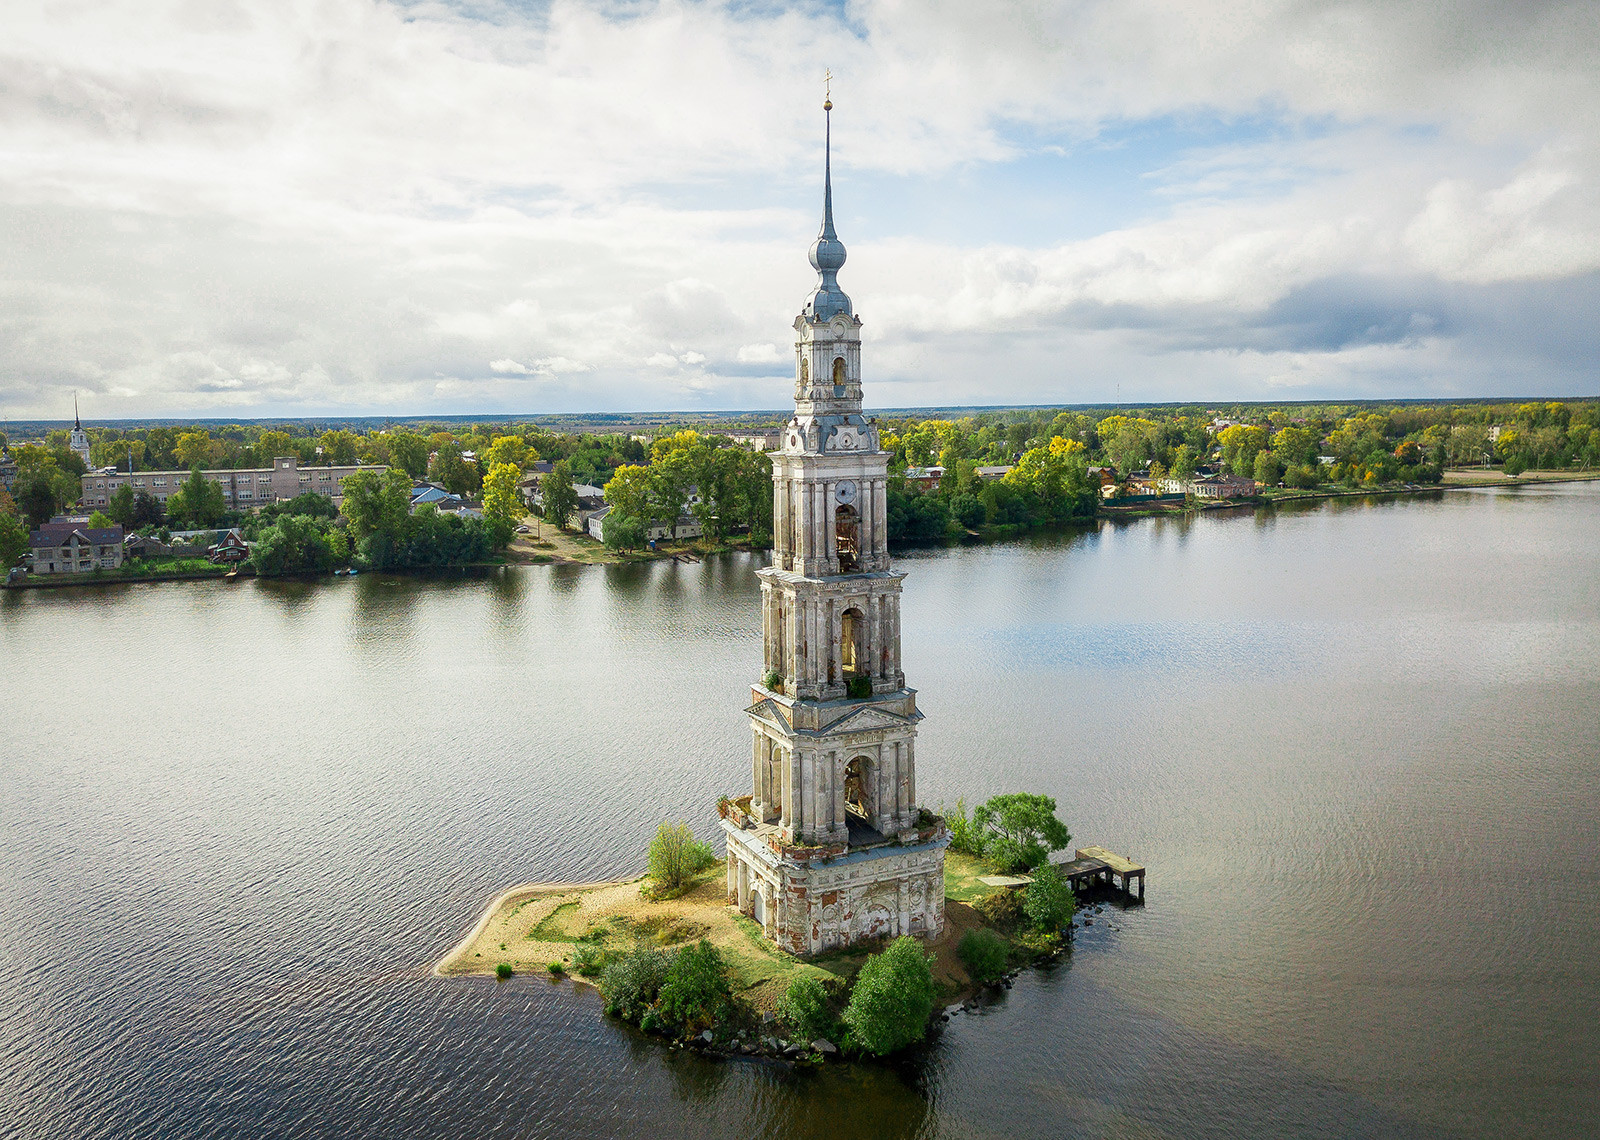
pixel 827 300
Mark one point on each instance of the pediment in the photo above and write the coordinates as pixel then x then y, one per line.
pixel 770 710
pixel 865 720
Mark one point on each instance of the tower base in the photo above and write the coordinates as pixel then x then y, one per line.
pixel 810 899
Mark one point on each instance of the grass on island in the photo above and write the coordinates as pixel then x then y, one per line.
pixel 533 930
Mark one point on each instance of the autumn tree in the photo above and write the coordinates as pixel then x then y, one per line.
pixel 1240 444
pixel 502 503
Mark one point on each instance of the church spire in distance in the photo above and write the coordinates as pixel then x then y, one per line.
pixel 827 252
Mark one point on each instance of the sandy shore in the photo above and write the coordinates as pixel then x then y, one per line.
pixel 531 926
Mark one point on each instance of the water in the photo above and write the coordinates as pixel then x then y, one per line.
pixel 1357 744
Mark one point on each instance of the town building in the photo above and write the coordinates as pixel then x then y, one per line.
pixel 926 478
pixel 8 470
pixel 831 848
pixel 685 528
pixel 75 548
pixel 1210 486
pixel 241 490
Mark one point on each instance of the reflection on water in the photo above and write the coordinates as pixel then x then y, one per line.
pixel 1356 743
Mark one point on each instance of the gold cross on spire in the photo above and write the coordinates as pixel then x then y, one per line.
pixel 827 90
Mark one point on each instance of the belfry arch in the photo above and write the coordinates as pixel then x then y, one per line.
pixel 852 643
pixel 847 538
pixel 841 373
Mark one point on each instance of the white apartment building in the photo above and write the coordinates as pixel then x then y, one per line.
pixel 255 487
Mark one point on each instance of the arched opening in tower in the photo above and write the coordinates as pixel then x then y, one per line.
pixel 852 653
pixel 856 799
pixel 845 530
pixel 838 374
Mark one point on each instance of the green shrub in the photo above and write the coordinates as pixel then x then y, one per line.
pixel 805 1007
pixel 773 681
pixel 556 968
pixel 984 954
pixel 1019 830
pixel 632 982
pixel 503 971
pixel 964 837
pixel 1048 900
pixel 696 993
pixel 675 856
pixel 587 959
pixel 858 688
pixel 892 999
pixel 1003 909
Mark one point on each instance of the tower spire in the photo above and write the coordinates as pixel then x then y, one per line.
pixel 827 252
pixel 827 159
pixel 77 424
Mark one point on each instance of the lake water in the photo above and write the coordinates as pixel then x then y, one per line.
pixel 1357 744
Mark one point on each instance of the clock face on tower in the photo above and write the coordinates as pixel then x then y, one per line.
pixel 845 491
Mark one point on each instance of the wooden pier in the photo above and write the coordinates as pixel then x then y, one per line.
pixel 1092 865
pixel 1096 864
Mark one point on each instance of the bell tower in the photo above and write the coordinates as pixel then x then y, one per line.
pixel 833 725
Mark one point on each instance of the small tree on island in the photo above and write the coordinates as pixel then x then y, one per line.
pixel 697 992
pixel 1019 830
pixel 1048 901
pixel 892 999
pixel 805 1007
pixel 676 857
pixel 984 953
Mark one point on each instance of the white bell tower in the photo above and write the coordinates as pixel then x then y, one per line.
pixel 831 847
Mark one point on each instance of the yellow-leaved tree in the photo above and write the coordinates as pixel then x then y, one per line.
pixel 502 505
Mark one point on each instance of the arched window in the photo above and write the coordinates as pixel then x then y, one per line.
pixel 845 530
pixel 838 371
pixel 856 798
pixel 852 634
pixel 805 371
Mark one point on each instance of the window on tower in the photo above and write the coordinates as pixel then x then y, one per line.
pixel 845 530
pixel 852 624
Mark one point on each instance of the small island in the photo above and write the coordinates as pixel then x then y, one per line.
pixel 842 910
pixel 671 952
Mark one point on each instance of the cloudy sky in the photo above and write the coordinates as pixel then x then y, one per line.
pixel 266 207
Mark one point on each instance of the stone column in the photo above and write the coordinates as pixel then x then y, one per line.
pixel 733 876
pixel 813 641
pixel 744 886
pixel 830 532
pixel 894 632
pixel 837 776
pixel 817 563
pixel 767 622
pixel 787 821
pixel 880 510
pixel 871 639
pixel 911 783
pixel 758 768
pixel 899 779
pixel 868 539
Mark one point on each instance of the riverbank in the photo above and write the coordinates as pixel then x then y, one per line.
pixel 539 925
pixel 1454 480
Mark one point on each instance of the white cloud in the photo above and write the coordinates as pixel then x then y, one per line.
pixel 759 354
pixel 351 205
